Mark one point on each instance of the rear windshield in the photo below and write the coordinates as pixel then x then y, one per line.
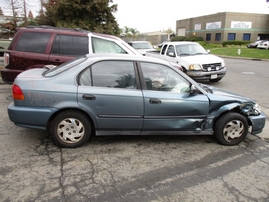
pixel 63 67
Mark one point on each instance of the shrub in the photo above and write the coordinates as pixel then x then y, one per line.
pixel 234 43
pixel 178 38
pixel 190 38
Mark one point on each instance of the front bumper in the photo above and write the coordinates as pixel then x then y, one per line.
pixel 206 75
pixel 258 123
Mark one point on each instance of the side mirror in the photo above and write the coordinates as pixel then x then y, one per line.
pixel 208 51
pixel 193 89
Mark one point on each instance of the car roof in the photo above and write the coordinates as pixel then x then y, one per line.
pixel 182 42
pixel 115 56
pixel 138 42
pixel 61 30
pixel 45 28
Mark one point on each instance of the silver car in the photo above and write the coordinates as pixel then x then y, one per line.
pixel 106 94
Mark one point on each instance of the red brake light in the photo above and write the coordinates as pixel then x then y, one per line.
pixel 17 92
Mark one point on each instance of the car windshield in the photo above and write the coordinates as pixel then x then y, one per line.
pixel 190 49
pixel 65 66
pixel 142 45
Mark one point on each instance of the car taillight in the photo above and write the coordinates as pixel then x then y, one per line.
pixel 17 92
pixel 6 59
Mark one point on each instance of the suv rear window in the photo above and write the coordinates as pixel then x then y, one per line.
pixel 70 45
pixel 34 42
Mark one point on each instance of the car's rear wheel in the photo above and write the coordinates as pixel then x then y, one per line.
pixel 231 129
pixel 70 129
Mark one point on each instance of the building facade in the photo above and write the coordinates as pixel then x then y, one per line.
pixel 226 26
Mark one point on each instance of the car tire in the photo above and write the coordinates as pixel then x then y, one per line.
pixel 231 129
pixel 70 129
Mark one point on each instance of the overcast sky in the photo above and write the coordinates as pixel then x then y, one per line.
pixel 156 15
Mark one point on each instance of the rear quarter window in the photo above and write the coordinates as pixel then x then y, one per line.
pixel 33 42
pixel 106 46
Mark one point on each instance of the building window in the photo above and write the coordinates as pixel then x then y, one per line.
pixel 246 37
pixel 231 36
pixel 208 37
pixel 218 36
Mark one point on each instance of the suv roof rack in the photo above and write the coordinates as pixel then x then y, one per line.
pixel 57 28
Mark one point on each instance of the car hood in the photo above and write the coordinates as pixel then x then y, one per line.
pixel 143 51
pixel 217 93
pixel 202 59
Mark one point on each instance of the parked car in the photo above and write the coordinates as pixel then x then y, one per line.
pixel 254 44
pixel 141 46
pixel 263 45
pixel 34 47
pixel 194 59
pixel 127 95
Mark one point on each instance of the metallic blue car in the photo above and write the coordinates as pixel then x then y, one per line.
pixel 107 94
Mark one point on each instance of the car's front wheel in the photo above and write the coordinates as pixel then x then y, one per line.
pixel 231 129
pixel 70 129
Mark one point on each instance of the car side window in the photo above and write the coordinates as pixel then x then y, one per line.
pixel 106 46
pixel 163 49
pixel 170 50
pixel 33 42
pixel 162 78
pixel 111 74
pixel 70 45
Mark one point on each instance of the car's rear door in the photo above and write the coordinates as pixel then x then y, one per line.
pixel 109 91
pixel 66 47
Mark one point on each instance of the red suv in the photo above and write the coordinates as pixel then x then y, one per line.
pixel 35 47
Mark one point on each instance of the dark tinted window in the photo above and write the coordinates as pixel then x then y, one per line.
pixel 218 37
pixel 231 36
pixel 246 37
pixel 112 74
pixel 208 37
pixel 35 42
pixel 70 45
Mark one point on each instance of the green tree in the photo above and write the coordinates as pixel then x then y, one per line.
pixel 126 31
pixel 134 32
pixel 93 15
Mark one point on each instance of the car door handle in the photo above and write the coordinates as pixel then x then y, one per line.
pixel 154 101
pixel 88 97
pixel 57 60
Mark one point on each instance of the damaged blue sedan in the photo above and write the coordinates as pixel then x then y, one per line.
pixel 107 94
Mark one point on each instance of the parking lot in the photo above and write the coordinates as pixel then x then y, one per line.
pixel 135 168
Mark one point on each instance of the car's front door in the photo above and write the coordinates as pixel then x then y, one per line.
pixel 169 105
pixel 108 90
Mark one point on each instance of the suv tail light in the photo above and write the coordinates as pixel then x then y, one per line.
pixel 6 59
pixel 17 92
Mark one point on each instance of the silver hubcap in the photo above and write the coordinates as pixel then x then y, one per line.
pixel 233 130
pixel 70 130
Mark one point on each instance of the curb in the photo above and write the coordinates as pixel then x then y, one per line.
pixel 242 58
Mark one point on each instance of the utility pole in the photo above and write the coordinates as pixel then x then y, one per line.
pixel 25 14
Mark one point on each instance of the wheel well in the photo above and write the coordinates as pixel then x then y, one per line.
pixel 235 110
pixel 65 109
